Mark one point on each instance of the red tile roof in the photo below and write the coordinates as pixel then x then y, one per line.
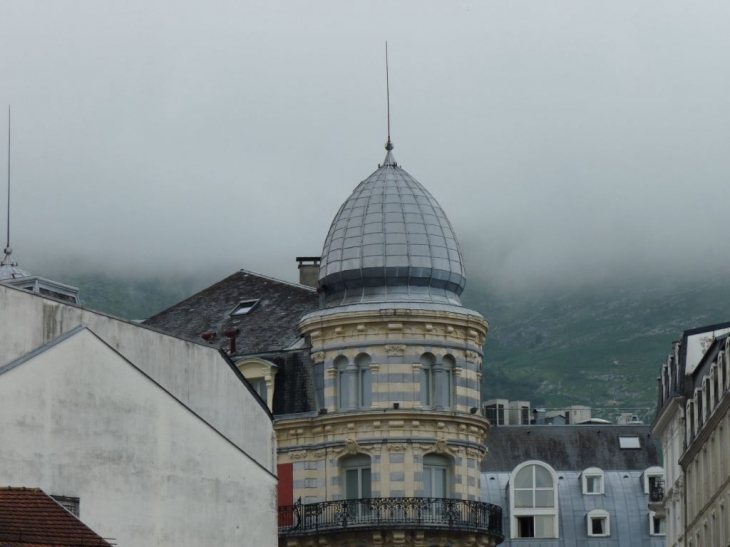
pixel 31 518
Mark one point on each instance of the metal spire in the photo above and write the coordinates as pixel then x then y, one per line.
pixel 389 144
pixel 389 159
pixel 8 250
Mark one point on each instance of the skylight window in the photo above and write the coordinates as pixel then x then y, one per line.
pixel 629 442
pixel 244 307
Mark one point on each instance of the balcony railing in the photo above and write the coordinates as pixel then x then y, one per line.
pixel 656 490
pixel 373 513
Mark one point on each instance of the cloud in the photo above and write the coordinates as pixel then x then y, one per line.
pixel 564 141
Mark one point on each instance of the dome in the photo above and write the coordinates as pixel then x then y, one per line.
pixel 391 241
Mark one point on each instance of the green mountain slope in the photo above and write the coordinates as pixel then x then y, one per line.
pixel 593 346
pixel 597 346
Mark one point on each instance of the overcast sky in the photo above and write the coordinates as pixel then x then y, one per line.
pixel 562 139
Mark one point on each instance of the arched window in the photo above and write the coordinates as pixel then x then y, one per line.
pixel 592 480
pixel 599 523
pixel 534 500
pixel 436 476
pixel 354 382
pixel 427 387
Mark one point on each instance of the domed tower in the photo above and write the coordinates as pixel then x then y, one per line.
pixel 393 455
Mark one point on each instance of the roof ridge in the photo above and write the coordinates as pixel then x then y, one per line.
pixel 283 282
pixel 20 489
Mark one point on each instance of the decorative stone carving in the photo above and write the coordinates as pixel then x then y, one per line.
pixel 472 355
pixel 318 356
pixel 441 447
pixel 458 371
pixel 298 455
pixel 321 453
pixel 375 367
pixel 351 448
pixel 395 349
pixel 399 447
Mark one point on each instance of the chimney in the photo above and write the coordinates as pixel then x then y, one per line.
pixel 309 270
pixel 539 416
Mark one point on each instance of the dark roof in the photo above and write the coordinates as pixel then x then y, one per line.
pixel 294 389
pixel 570 447
pixel 29 518
pixel 271 324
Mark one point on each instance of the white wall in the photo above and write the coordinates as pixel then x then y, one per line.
pixel 79 420
pixel 696 346
pixel 195 373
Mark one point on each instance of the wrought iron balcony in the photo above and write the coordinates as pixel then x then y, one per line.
pixel 375 513
pixel 656 490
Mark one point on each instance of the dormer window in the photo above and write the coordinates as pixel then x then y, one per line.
pixel 592 479
pixel 243 307
pixel 599 524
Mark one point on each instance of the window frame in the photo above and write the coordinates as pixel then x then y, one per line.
pixel 597 515
pixel 593 472
pixel 654 471
pixel 517 513
pixel 652 516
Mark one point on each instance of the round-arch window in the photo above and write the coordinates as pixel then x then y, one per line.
pixel 534 488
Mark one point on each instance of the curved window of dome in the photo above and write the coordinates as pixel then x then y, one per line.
pixel 534 501
pixel 365 381
pixel 427 387
pixel 592 481
pixel 599 523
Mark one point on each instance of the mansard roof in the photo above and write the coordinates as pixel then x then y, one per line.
pixel 270 324
pixel 570 447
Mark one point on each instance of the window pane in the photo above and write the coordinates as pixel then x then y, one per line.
pixel 425 387
pixel 343 391
pixel 544 526
pixel 366 490
pixel 366 387
pixel 593 485
pixel 524 477
pixel 525 527
pixel 542 478
pixel 544 498
pixel 427 486
pixel 523 498
pixel 598 527
pixel 351 486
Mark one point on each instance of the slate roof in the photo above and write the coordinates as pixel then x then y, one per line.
pixel 31 518
pixel 570 447
pixel 271 324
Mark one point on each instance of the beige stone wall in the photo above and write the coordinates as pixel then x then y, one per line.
pixel 395 441
pixel 395 343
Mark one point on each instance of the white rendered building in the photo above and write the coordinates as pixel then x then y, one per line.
pixel 155 440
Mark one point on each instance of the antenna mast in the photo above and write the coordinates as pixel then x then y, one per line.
pixel 7 249
pixel 389 144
